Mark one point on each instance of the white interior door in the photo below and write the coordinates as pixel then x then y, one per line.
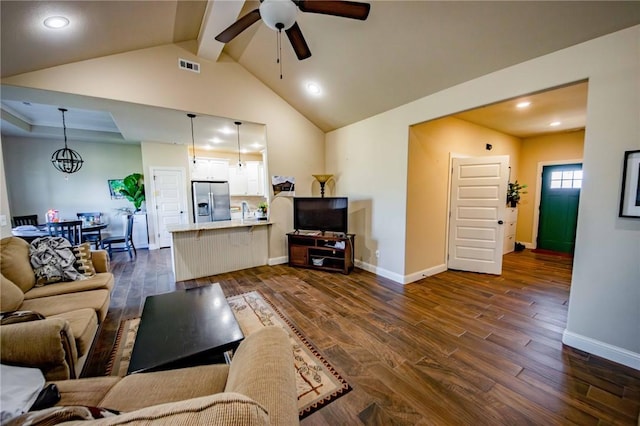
pixel 170 202
pixel 478 204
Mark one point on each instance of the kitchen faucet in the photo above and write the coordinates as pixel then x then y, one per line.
pixel 245 207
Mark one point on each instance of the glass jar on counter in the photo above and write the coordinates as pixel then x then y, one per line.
pixel 53 215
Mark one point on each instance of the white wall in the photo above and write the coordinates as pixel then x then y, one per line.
pixel 35 186
pixel 604 310
pixel 5 230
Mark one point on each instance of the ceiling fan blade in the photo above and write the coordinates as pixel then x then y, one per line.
pixel 345 9
pixel 239 26
pixel 298 42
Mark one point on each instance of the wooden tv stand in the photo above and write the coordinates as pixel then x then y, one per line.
pixel 318 251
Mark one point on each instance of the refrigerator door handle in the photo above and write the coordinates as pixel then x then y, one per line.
pixel 211 200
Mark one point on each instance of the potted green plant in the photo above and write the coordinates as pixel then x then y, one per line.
pixel 262 209
pixel 514 192
pixel 134 189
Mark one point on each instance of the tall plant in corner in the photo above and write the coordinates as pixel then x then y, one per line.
pixel 514 192
pixel 134 189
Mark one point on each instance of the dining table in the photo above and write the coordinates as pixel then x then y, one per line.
pixel 31 232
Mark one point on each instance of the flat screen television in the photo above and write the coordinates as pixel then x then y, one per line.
pixel 329 214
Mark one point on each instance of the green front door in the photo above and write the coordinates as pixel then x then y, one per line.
pixel 560 196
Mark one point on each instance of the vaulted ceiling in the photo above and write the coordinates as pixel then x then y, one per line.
pixel 405 50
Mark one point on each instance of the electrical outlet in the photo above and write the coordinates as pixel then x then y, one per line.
pixel 377 254
pixel 3 220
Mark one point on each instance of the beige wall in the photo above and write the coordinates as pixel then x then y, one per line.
pixel 550 149
pixel 369 161
pixel 605 274
pixel 223 88
pixel 431 145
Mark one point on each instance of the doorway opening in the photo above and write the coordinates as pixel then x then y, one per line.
pixel 526 129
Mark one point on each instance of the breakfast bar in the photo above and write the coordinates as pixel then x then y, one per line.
pixel 211 248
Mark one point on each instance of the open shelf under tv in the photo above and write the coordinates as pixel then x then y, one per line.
pixel 329 251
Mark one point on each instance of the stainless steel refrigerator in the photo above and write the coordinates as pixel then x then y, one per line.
pixel 211 201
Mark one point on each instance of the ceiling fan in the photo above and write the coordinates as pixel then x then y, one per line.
pixel 281 15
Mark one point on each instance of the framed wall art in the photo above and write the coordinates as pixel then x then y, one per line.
pixel 115 185
pixel 630 196
pixel 283 186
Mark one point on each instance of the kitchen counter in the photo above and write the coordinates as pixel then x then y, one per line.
pixel 222 224
pixel 211 248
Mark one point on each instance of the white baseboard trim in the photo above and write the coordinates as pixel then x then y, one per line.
pixel 154 247
pixel 601 349
pixel 277 260
pixel 400 279
pixel 380 271
pixel 424 273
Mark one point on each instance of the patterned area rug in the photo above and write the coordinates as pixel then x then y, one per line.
pixel 317 382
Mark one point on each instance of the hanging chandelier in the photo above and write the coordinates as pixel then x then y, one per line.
pixel 66 160
pixel 238 123
pixel 193 142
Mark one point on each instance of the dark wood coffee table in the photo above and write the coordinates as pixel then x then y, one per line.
pixel 184 328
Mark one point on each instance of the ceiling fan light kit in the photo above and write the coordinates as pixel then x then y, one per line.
pixel 278 14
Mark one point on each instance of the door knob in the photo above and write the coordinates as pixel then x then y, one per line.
pixel 500 222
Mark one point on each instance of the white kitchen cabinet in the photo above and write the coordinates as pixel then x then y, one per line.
pixel 511 220
pixel 210 169
pixel 249 182
pixel 255 178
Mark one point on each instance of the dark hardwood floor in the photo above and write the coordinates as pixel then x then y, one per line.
pixel 455 348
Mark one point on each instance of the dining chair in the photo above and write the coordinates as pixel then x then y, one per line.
pixel 93 237
pixel 70 229
pixel 126 240
pixel 31 219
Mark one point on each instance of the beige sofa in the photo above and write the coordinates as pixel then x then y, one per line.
pixel 58 345
pixel 257 388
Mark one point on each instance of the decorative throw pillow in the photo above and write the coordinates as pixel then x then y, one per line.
pixel 52 260
pixel 83 262
pixel 59 414
pixel 20 316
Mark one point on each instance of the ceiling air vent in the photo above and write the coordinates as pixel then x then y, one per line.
pixel 188 65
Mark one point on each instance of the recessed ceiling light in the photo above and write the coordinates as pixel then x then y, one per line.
pixel 523 104
pixel 313 88
pixel 555 123
pixel 56 22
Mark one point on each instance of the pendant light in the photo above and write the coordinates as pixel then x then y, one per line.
pixel 193 142
pixel 66 160
pixel 238 123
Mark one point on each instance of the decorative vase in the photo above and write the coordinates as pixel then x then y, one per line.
pixel 513 203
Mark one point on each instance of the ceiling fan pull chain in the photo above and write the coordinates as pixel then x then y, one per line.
pixel 280 50
pixel 278 47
